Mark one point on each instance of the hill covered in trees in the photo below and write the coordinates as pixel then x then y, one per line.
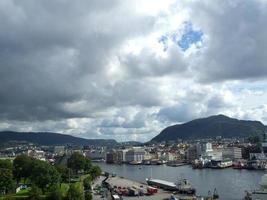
pixel 48 138
pixel 218 125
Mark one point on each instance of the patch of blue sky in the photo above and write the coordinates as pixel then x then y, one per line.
pixel 189 36
pixel 164 40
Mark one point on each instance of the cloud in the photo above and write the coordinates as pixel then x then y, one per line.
pixel 127 69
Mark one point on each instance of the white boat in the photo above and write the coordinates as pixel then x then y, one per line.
pixel 261 193
pixel 182 186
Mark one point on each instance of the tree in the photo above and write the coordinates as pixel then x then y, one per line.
pixel 44 175
pixel 76 162
pixel 6 164
pixel 7 184
pixel 22 167
pixel 35 193
pixel 88 195
pixel 74 193
pixel 88 165
pixel 95 172
pixel 64 173
pixel 55 193
pixel 87 183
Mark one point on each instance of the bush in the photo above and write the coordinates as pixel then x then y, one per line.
pixel 74 193
pixel 54 194
pixel 88 196
pixel 35 193
pixel 87 183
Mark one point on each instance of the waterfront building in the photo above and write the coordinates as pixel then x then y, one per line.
pixel 234 153
pixel 95 154
pixel 192 153
pixel 135 154
pixel 121 155
pixel 111 157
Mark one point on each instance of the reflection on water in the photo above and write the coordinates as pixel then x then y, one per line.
pixel 230 183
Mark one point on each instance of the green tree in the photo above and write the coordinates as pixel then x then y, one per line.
pixel 88 165
pixel 64 173
pixel 76 162
pixel 95 172
pixel 44 175
pixel 55 193
pixel 74 193
pixel 22 167
pixel 7 184
pixel 35 193
pixel 88 195
pixel 87 183
pixel 6 164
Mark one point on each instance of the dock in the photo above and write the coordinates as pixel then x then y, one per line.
pixel 121 182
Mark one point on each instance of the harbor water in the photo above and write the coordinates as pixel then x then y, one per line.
pixel 230 183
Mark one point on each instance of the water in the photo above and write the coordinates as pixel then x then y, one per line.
pixel 230 183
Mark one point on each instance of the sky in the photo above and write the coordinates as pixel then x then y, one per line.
pixel 125 70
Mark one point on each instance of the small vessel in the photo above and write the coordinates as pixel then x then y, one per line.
pixel 135 163
pixel 182 186
pixel 259 194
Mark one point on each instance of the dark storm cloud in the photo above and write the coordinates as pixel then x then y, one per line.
pixel 52 51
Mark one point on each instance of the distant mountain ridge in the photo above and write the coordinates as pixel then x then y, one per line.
pixel 49 138
pixel 217 125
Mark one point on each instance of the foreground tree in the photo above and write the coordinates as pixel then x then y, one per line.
pixel 44 175
pixel 76 162
pixel 6 164
pixel 88 195
pixel 95 172
pixel 22 167
pixel 35 193
pixel 87 183
pixel 7 184
pixel 64 173
pixel 55 193
pixel 74 193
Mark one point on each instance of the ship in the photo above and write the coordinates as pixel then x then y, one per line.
pixel 258 194
pixel 182 186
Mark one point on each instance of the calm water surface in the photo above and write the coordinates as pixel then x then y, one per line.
pixel 230 183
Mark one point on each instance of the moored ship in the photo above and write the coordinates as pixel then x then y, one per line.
pixel 182 186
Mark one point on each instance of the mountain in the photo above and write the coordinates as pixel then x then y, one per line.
pixel 218 125
pixel 48 138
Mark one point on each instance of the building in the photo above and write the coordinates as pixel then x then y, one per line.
pixel 95 154
pixel 121 155
pixel 234 153
pixel 59 150
pixel 192 154
pixel 111 157
pixel 135 154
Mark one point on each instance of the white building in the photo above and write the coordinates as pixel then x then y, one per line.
pixel 122 155
pixel 135 154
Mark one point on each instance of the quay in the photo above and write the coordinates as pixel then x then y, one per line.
pixel 116 182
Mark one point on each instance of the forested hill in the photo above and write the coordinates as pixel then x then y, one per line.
pixel 218 125
pixel 48 138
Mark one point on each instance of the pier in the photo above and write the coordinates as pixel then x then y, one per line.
pixel 117 185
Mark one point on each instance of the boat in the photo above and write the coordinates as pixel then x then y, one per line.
pixel 182 186
pixel 135 162
pixel 221 164
pixel 176 164
pixel 259 194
